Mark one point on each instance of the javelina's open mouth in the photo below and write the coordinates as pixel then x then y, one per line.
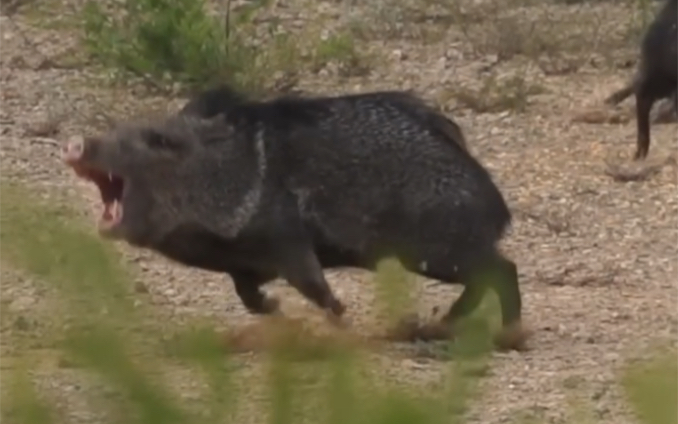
pixel 110 186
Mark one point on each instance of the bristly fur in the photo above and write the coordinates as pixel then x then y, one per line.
pixel 299 135
pixel 225 100
pixel 291 186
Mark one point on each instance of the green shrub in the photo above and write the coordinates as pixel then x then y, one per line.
pixel 45 242
pixel 172 41
pixel 176 44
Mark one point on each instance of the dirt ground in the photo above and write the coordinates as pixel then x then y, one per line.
pixel 596 256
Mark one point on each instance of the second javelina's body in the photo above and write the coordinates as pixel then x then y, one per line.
pixel 291 186
pixel 657 74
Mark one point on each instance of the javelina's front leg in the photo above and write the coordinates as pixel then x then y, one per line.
pixel 301 268
pixel 247 286
pixel 644 102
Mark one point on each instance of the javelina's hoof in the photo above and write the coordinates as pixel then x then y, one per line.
pixel 270 305
pixel 410 329
pixel 639 155
pixel 433 331
pixel 405 329
pixel 513 337
pixel 338 308
pixel 335 312
pixel 336 320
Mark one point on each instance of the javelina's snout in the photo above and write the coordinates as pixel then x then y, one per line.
pixel 80 153
pixel 73 150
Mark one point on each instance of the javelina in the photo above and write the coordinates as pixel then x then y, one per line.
pixel 657 73
pixel 289 187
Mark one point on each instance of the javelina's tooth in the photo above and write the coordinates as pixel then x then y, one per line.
pixel 117 205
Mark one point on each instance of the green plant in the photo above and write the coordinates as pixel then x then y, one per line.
pixel 45 241
pixel 652 388
pixel 170 41
pixel 340 48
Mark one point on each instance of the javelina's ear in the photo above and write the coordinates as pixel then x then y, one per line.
pixel 95 139
pixel 217 119
pixel 158 140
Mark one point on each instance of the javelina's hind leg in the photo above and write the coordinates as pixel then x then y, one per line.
pixel 445 270
pixel 247 286
pixel 302 270
pixel 644 102
pixel 620 95
pixel 501 275
pixel 504 281
pixel 466 303
pixel 506 286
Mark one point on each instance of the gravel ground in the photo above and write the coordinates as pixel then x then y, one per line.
pixel 597 257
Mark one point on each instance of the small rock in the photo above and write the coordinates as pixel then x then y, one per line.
pixel 65 362
pixel 602 411
pixel 409 363
pixel 22 324
pixel 21 303
pixel 140 287
pixel 399 54
pixel 598 394
pixel 47 128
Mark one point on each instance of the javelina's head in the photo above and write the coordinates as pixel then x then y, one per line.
pixel 133 166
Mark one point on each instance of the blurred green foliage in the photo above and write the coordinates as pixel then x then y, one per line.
pixel 652 388
pixel 41 240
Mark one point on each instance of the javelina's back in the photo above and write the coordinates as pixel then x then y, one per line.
pixel 377 168
pixel 223 99
pixel 417 110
